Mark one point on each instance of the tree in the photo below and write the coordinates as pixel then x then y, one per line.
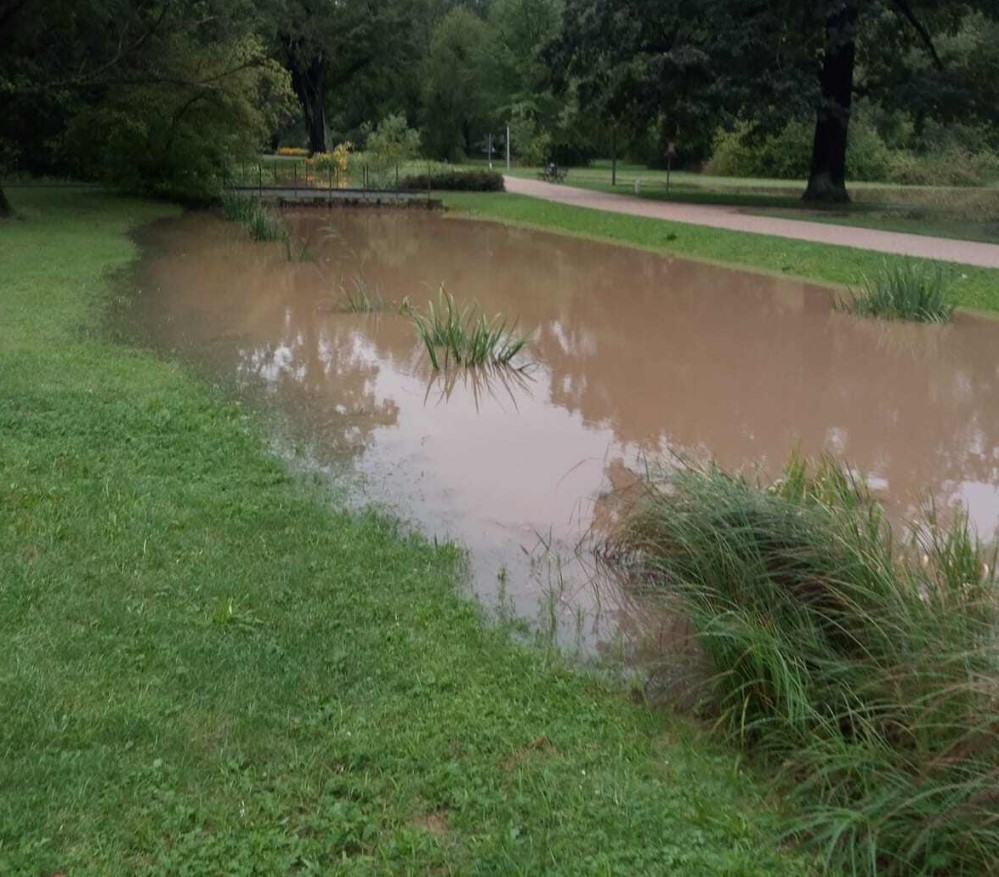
pixel 157 95
pixel 455 107
pixel 333 48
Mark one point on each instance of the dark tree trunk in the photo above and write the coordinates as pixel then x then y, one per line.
pixel 827 180
pixel 5 210
pixel 308 79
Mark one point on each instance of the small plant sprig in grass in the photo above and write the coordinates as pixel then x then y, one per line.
pixel 466 336
pixel 865 667
pixel 903 291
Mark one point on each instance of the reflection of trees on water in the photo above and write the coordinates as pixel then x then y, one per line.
pixel 665 353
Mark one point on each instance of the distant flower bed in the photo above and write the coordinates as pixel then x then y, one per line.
pixel 293 151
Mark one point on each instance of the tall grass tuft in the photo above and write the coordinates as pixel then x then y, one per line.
pixel 465 336
pixel 262 224
pixel 866 666
pixel 357 298
pixel 904 291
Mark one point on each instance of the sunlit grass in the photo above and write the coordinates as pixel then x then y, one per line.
pixel 465 336
pixel 865 666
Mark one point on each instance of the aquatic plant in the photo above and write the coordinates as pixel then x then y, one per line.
pixel 262 224
pixel 466 336
pixel 266 226
pixel 358 299
pixel 237 206
pixel 903 291
pixel 865 667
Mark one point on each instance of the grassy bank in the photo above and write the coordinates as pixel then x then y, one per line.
pixel 962 213
pixel 859 659
pixel 972 287
pixel 208 671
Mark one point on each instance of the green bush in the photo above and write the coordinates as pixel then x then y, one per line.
pixel 864 667
pixel 954 166
pixel 786 155
pixel 455 181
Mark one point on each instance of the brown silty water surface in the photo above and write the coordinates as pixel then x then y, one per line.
pixel 635 356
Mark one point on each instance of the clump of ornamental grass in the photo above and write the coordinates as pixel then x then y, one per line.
pixel 464 336
pixel 904 291
pixel 262 223
pixel 865 666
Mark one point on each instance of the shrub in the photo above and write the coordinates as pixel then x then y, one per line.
pixel 867 668
pixel 455 181
pixel 293 151
pixel 954 166
pixel 787 154
pixel 904 291
pixel 262 224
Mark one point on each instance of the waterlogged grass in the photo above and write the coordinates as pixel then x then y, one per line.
pixel 865 666
pixel 904 291
pixel 262 224
pixel 206 670
pixel 843 266
pixel 357 298
pixel 466 337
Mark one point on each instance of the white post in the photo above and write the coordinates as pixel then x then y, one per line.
pixel 508 147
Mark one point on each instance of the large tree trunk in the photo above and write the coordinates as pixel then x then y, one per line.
pixel 5 210
pixel 827 180
pixel 308 79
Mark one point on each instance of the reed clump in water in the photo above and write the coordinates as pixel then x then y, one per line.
pixel 904 291
pixel 464 336
pixel 357 298
pixel 865 666
pixel 262 224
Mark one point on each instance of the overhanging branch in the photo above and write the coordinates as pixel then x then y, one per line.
pixel 903 9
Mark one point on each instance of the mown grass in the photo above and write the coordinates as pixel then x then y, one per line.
pixel 954 212
pixel 465 336
pixel 843 266
pixel 865 665
pixel 903 291
pixel 206 670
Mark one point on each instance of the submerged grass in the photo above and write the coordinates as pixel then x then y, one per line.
pixel 466 336
pixel 973 287
pixel 865 666
pixel 262 223
pixel 208 670
pixel 357 298
pixel 904 291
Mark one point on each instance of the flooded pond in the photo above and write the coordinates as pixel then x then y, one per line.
pixel 636 356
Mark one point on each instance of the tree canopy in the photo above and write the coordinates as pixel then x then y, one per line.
pixel 163 95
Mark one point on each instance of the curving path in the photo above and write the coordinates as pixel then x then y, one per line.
pixel 731 218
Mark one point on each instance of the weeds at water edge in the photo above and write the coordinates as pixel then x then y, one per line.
pixel 262 224
pixel 866 667
pixel 466 336
pixel 903 291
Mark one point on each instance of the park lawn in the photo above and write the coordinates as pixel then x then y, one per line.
pixel 966 213
pixel 972 287
pixel 208 670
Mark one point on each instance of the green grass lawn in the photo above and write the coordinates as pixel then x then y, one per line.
pixel 944 211
pixel 971 287
pixel 207 670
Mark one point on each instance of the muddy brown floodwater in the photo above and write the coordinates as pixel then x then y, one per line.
pixel 636 356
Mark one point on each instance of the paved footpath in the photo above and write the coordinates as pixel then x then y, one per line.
pixel 731 218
